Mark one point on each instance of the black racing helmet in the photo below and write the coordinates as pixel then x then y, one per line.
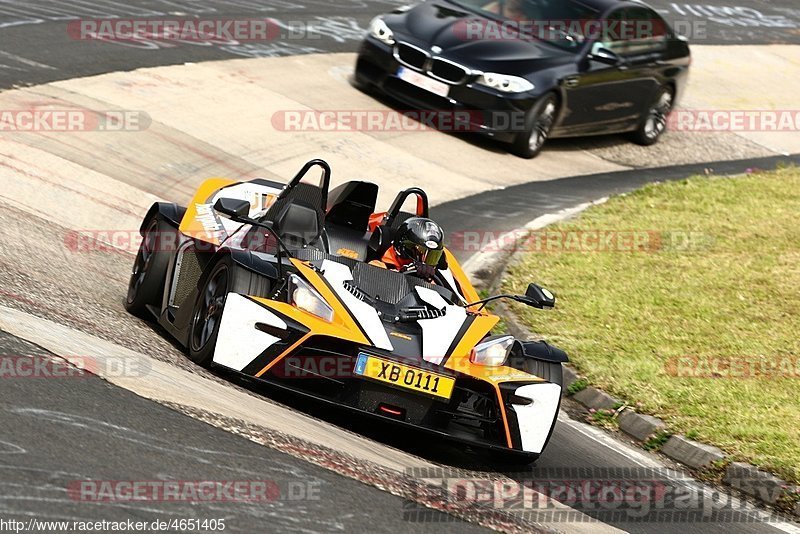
pixel 420 240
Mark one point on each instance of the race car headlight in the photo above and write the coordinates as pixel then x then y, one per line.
pixel 504 82
pixel 306 298
pixel 492 353
pixel 380 31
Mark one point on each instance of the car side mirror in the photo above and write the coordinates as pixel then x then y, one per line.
pixel 604 55
pixel 233 207
pixel 539 297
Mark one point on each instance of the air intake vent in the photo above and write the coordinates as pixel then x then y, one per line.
pixel 188 272
pixel 448 71
pixel 360 295
pixel 411 55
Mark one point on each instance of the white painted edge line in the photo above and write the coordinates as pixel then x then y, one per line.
pixel 498 249
pixel 644 460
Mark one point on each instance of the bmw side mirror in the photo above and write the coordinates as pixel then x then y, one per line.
pixel 604 55
pixel 232 207
pixel 539 297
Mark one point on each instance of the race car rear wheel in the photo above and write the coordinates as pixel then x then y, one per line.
pixel 146 285
pixel 225 277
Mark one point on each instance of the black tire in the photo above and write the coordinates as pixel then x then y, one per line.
pixel 225 277
pixel 654 123
pixel 146 285
pixel 539 123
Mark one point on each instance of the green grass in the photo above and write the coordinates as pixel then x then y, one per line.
pixel 735 293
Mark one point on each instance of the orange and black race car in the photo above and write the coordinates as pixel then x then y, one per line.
pixel 279 282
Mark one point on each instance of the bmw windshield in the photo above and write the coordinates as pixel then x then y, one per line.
pixel 562 23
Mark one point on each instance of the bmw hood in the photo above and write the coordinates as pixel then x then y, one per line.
pixel 471 39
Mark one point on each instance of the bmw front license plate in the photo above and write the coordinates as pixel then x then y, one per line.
pixel 404 376
pixel 422 81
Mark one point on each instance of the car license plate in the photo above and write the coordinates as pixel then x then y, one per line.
pixel 404 376
pixel 420 80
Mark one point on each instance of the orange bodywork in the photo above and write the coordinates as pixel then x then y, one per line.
pixel 196 224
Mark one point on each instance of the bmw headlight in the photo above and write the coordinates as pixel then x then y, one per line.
pixel 381 31
pixel 306 298
pixel 493 352
pixel 403 9
pixel 504 82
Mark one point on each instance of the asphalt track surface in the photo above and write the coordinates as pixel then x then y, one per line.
pixel 81 429
pixel 36 46
pixel 41 418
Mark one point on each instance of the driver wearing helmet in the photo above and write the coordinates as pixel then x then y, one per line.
pixel 417 248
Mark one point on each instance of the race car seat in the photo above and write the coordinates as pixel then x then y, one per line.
pixel 298 214
pixel 347 220
pixel 298 225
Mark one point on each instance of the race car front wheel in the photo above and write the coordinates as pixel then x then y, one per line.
pixel 225 277
pixel 146 285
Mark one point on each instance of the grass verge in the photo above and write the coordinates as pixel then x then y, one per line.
pixel 693 312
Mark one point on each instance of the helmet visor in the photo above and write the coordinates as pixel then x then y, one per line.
pixel 428 255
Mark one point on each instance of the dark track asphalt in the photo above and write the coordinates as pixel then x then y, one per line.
pixel 56 431
pixel 35 46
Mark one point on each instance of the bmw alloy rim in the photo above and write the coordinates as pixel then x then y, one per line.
pixel 657 117
pixel 541 129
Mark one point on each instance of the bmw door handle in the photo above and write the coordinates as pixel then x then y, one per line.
pixel 571 81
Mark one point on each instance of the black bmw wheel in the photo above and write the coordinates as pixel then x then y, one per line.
pixel 146 285
pixel 540 122
pixel 654 123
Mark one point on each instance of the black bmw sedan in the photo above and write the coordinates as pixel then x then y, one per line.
pixel 527 70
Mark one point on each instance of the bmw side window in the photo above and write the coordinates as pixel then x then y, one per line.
pixel 612 33
pixel 648 32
